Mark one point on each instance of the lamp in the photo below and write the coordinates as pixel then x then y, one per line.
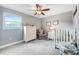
pixel 51 28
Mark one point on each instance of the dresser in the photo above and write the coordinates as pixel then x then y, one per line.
pixel 29 33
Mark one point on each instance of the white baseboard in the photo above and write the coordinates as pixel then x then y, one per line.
pixel 4 46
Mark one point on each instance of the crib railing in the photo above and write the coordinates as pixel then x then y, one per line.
pixel 64 35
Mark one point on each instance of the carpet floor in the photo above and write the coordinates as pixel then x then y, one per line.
pixel 36 47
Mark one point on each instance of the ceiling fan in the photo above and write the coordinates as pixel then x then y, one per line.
pixel 39 10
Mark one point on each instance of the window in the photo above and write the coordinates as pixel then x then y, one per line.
pixel 11 21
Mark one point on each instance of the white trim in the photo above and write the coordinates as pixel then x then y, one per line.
pixel 4 46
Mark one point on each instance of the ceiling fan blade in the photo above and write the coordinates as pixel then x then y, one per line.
pixel 35 14
pixel 37 5
pixel 42 13
pixel 46 9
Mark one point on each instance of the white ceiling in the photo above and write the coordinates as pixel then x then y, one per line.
pixel 28 8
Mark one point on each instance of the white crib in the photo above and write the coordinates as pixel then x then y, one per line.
pixel 66 35
pixel 62 37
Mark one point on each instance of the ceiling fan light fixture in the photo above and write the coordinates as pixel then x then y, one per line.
pixel 38 12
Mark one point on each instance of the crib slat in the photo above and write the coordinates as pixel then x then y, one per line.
pixel 64 35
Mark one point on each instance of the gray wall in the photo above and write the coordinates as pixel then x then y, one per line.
pixel 0 18
pixel 65 20
pixel 9 36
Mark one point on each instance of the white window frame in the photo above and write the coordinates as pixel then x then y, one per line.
pixel 7 13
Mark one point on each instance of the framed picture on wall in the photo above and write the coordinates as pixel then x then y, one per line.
pixel 48 23
pixel 55 22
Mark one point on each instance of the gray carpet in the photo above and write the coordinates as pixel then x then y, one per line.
pixel 36 47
